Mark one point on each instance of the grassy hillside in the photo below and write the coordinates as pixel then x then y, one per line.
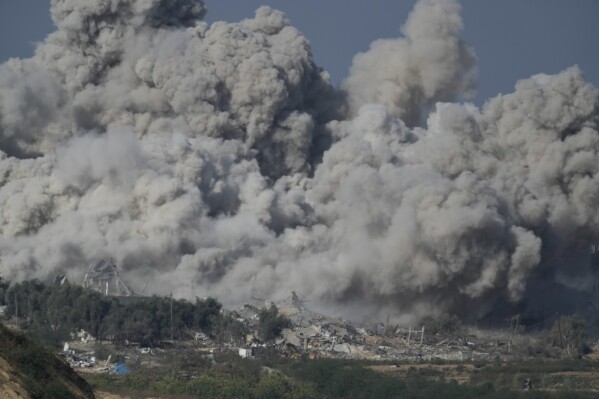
pixel 28 370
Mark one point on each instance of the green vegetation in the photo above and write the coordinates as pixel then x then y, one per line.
pixel 234 377
pixel 37 369
pixel 271 323
pixel 3 288
pixel 568 333
pixel 52 312
pixel 567 374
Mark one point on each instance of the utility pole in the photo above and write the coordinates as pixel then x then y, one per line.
pixel 514 324
pixel 172 340
pixel 559 330
pixel 16 310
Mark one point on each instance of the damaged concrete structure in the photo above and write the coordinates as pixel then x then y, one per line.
pixel 103 277
pixel 316 336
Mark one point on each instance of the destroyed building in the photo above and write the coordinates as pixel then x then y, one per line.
pixel 103 277
pixel 315 335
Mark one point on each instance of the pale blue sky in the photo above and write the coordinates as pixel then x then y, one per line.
pixel 513 38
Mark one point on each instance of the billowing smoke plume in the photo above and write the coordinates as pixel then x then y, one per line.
pixel 203 157
pixel 411 74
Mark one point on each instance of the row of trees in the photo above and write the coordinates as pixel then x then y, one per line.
pixel 52 312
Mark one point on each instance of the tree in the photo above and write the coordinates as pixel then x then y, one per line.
pixel 271 324
pixel 228 329
pixel 3 290
pixel 206 311
pixel 570 334
pixel 52 312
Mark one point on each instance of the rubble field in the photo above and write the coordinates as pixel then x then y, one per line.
pixel 311 335
pixel 468 356
pixel 318 336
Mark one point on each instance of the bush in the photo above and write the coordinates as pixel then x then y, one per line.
pixel 272 386
pixel 170 384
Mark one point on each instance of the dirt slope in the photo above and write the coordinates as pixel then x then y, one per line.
pixel 29 371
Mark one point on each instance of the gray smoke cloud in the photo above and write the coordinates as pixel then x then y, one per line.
pixel 410 74
pixel 204 157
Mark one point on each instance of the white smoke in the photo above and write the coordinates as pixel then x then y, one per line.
pixel 201 157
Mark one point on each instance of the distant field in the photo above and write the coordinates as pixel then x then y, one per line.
pixel 233 377
pixel 550 376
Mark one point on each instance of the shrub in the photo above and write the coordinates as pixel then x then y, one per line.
pixel 273 386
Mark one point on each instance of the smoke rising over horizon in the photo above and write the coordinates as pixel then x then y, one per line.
pixel 201 156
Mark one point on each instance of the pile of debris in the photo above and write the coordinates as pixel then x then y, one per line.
pixel 86 362
pixel 103 277
pixel 83 336
pixel 317 336
pixel 78 360
pixel 314 335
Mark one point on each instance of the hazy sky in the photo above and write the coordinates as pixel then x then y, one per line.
pixel 513 38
